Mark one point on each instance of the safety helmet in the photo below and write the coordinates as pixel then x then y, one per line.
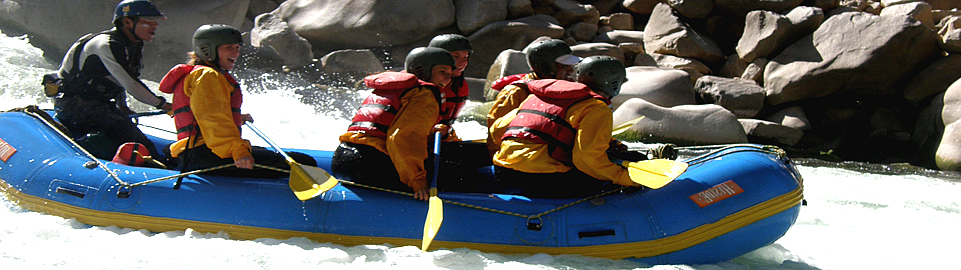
pixel 137 8
pixel 541 56
pixel 603 74
pixel 421 60
pixel 451 43
pixel 209 36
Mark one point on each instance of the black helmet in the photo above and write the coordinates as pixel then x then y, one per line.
pixel 208 37
pixel 421 60
pixel 137 8
pixel 541 56
pixel 451 43
pixel 603 74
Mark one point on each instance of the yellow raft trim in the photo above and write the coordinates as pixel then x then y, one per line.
pixel 612 251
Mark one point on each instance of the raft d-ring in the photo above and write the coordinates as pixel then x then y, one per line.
pixel 535 225
pixel 123 192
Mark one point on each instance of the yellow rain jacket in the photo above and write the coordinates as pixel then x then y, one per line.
pixel 507 100
pixel 209 93
pixel 593 121
pixel 407 136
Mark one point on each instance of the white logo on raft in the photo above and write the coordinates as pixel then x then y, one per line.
pixel 716 193
pixel 6 150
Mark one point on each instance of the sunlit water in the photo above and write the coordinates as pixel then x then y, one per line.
pixel 855 219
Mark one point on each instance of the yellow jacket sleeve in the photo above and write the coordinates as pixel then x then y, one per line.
pixel 408 135
pixel 209 94
pixel 594 122
pixel 507 100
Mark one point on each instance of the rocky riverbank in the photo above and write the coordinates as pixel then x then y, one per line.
pixel 863 80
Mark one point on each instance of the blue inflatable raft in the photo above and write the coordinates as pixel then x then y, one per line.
pixel 730 202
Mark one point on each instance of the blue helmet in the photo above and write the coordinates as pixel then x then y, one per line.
pixel 137 8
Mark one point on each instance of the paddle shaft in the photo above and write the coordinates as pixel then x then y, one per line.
pixel 270 142
pixel 135 115
pixel 433 180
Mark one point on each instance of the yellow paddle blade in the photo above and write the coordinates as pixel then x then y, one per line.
pixel 435 216
pixel 624 126
pixel 308 181
pixel 655 173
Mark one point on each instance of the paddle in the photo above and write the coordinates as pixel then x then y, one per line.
pixel 435 208
pixel 306 181
pixel 654 173
pixel 624 126
pixel 135 115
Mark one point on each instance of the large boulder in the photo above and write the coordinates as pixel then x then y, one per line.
pixel 851 52
pixel 54 25
pixel 508 62
pixel 641 7
pixel 351 61
pixel 334 25
pixel 620 36
pixel 744 98
pixel 741 7
pixel 592 49
pixel 692 8
pixel 766 132
pixel 273 33
pixel 662 87
pixel 694 68
pixel 490 41
pixel 472 15
pixel 764 32
pixel 619 21
pixel 934 79
pixel 682 125
pixel 919 10
pixel 569 12
pixel 791 117
pixel 767 32
pixel 948 156
pixel 666 33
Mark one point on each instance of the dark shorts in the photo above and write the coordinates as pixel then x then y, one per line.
pixel 201 157
pixel 83 116
pixel 570 184
pixel 364 164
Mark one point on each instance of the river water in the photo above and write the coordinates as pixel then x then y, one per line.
pixel 858 216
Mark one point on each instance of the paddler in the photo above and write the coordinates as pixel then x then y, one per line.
pixel 386 145
pixel 555 144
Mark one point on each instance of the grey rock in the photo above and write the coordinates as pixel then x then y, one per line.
pixel 473 15
pixel 665 88
pixel 681 125
pixel 667 34
pixel 744 98
pixel 490 41
pixel 766 131
pixel 850 53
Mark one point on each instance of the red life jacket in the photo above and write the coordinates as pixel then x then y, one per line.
pixel 541 118
pixel 378 110
pixel 173 83
pixel 499 84
pixel 453 99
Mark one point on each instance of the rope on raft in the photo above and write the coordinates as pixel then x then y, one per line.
pixel 770 149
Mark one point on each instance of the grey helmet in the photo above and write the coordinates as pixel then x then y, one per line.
pixel 421 60
pixel 541 56
pixel 451 43
pixel 603 74
pixel 208 37
pixel 137 8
